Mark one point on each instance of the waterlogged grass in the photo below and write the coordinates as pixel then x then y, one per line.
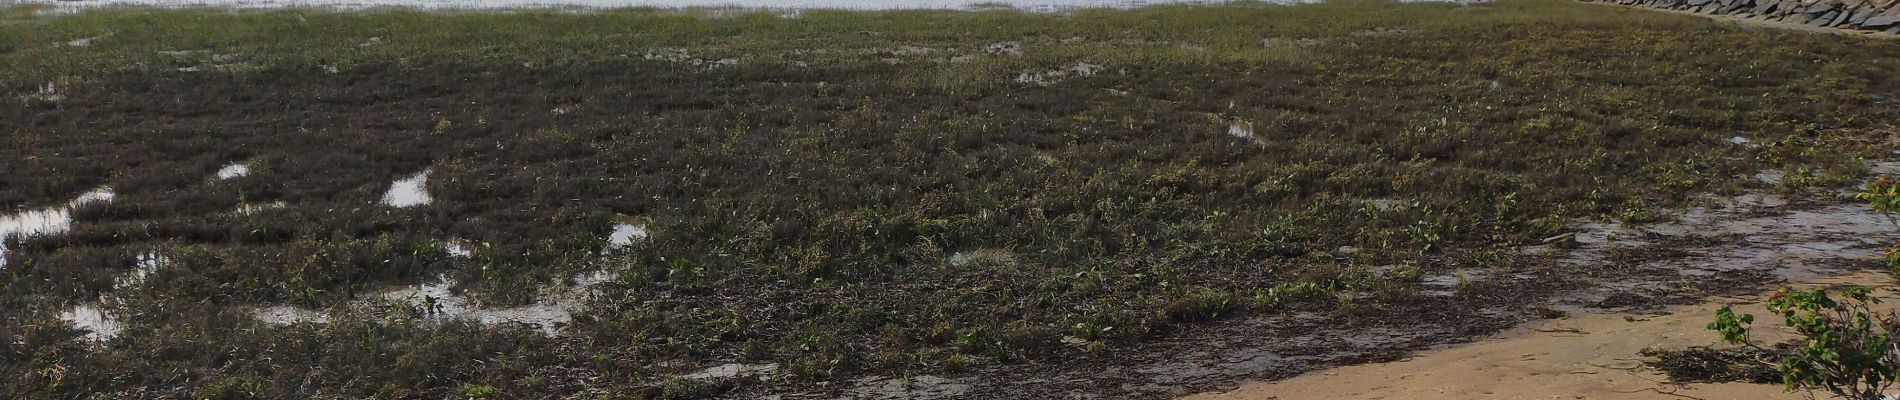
pixel 842 193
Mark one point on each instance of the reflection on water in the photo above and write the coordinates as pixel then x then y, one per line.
pixel 409 192
pixel 1240 129
pixel 624 234
pixel 46 221
pixel 233 171
pixel 99 326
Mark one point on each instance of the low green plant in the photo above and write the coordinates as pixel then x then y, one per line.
pixel 1848 347
pixel 477 392
pixel 1883 195
pixel 1848 350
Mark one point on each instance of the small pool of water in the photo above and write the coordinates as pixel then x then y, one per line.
pixel 45 221
pixel 233 171
pixel 625 234
pixel 1240 129
pixel 99 326
pixel 409 192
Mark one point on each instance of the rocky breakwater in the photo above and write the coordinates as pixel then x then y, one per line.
pixel 1854 15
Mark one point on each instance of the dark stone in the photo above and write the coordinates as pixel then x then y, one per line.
pixel 1881 22
pixel 1824 19
pixel 1856 16
pixel 1764 6
pixel 1888 18
pixel 1818 8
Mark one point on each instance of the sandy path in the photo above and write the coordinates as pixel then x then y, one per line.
pixel 1592 356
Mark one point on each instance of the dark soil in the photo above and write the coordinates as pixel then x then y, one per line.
pixel 824 208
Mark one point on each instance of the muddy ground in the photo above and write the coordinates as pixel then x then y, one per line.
pixel 1729 248
pixel 645 203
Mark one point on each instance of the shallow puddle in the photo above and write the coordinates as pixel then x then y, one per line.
pixel 45 221
pixel 624 235
pixel 1731 238
pixel 99 326
pixel 435 301
pixel 1240 129
pixel 457 248
pixel 142 269
pixel 409 192
pixel 233 171
pixel 549 314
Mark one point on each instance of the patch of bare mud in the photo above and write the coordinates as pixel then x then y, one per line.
pixel 920 387
pixel 1588 356
pixel 1754 238
pixel 1619 275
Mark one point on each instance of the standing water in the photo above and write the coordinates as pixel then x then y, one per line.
pixel 624 234
pixel 409 192
pixel 46 221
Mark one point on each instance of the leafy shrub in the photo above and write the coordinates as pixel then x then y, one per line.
pixel 1883 195
pixel 1848 350
pixel 1849 347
